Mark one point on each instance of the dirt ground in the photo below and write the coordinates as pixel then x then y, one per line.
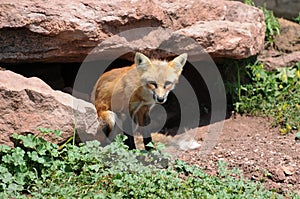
pixel 257 149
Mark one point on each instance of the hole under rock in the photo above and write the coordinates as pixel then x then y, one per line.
pixel 61 76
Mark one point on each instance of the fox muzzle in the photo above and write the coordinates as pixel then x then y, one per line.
pixel 159 100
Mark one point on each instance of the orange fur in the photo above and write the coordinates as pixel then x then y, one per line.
pixel 135 90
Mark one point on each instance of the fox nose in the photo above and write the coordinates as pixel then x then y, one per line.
pixel 160 99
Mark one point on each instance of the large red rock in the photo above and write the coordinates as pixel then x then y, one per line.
pixel 66 31
pixel 29 103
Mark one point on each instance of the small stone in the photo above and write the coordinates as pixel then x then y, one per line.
pixel 288 170
pixel 292 180
pixel 277 174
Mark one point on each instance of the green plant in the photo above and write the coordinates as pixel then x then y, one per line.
pixel 272 24
pixel 297 137
pixel 249 2
pixel 297 19
pixel 275 94
pixel 37 169
pixel 236 74
pixel 47 131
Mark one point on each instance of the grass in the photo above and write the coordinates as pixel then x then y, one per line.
pixel 274 94
pixel 35 168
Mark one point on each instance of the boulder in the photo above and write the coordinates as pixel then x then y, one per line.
pixel 29 103
pixel 66 31
pixel 288 40
pixel 286 51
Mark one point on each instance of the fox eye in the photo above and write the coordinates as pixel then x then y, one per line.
pixel 152 84
pixel 168 83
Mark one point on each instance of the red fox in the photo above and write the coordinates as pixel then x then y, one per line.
pixel 133 91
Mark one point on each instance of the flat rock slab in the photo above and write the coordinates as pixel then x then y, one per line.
pixel 29 103
pixel 66 31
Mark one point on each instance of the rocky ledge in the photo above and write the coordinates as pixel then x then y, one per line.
pixel 66 31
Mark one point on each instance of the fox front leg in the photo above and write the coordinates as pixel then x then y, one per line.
pixel 143 121
pixel 128 129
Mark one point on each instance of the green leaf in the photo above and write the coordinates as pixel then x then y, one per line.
pixel 297 137
pixel 4 148
pixel 150 144
pixel 45 130
pixel 120 138
pixel 6 177
pixel 13 187
pixel 57 133
pixel 95 167
pixel 29 140
pixel 285 73
pixel 18 156
pixel 160 146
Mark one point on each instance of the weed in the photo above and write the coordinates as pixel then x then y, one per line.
pixel 272 25
pixel 275 94
pixel 297 19
pixel 37 169
pixel 249 2
pixel 297 137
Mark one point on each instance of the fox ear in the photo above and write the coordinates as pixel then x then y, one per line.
pixel 179 62
pixel 141 61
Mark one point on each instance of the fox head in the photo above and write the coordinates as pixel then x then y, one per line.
pixel 159 77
